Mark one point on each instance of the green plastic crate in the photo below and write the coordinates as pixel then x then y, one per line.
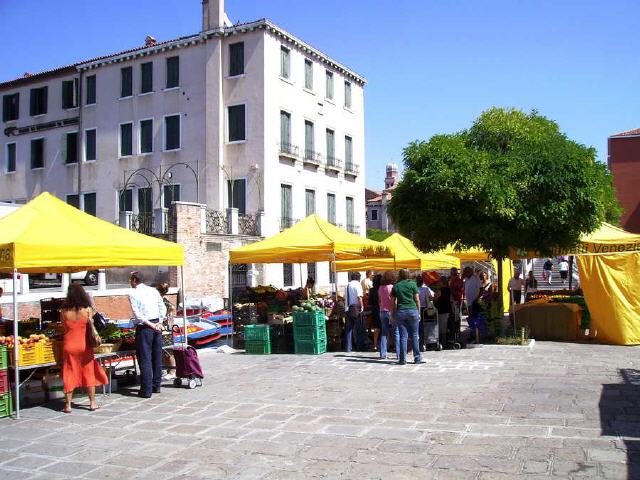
pixel 310 334
pixel 4 357
pixel 308 318
pixel 6 405
pixel 257 348
pixel 256 333
pixel 308 348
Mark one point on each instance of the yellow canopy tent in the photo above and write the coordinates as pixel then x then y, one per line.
pixel 311 240
pixel 47 235
pixel 406 255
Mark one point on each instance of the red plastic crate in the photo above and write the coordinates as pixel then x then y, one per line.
pixel 4 381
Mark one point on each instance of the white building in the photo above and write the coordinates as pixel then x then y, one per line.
pixel 249 104
pixel 376 202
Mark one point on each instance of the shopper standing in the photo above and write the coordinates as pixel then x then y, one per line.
pixel 456 288
pixel 472 286
pixel 406 311
pixel 426 295
pixel 353 302
pixel 367 282
pixel 148 312
pixel 374 306
pixel 563 267
pixel 530 284
pixel 515 289
pixel 443 305
pixel 163 290
pixel 387 320
pixel 548 270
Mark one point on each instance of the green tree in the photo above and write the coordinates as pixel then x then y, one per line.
pixel 511 180
pixel 377 234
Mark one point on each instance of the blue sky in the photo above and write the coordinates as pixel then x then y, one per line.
pixel 432 65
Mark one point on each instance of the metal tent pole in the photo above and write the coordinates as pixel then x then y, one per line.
pixel 184 306
pixel 230 293
pixel 16 364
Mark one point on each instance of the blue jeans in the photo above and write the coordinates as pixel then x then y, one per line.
pixel 396 337
pixel 354 319
pixel 385 318
pixel 149 353
pixel 408 321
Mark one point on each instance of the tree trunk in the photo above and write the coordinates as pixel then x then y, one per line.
pixel 500 293
pixel 570 272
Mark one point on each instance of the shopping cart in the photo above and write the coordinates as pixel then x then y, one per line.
pixel 188 371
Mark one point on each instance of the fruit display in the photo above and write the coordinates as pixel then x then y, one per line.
pixel 32 339
pixel 307 306
pixel 563 297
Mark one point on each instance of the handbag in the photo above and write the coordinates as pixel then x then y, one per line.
pixel 99 322
pixel 92 337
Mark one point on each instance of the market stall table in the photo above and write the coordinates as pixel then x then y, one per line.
pixel 549 321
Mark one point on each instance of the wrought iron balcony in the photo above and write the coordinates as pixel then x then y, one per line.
pixel 248 224
pixel 287 222
pixel 217 222
pixel 353 229
pixel 289 150
pixel 142 222
pixel 333 163
pixel 351 168
pixel 312 157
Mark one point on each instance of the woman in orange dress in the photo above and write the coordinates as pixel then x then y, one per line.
pixel 79 368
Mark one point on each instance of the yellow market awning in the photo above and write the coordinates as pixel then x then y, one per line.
pixel 406 256
pixel 48 235
pixel 310 240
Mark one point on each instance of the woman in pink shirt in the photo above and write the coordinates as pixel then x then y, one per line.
pixel 387 302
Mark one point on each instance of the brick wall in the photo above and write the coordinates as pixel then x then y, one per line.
pixel 624 163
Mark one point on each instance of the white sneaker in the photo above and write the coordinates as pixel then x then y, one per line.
pixel 168 376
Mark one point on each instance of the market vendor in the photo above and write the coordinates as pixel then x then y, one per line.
pixel 1 292
pixel 148 311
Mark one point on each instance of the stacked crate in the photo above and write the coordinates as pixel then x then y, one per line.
pixel 309 332
pixel 257 340
pixel 6 407
pixel 243 314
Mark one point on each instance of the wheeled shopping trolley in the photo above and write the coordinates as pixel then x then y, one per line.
pixel 188 371
pixel 431 329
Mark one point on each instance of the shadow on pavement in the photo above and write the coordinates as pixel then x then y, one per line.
pixel 620 415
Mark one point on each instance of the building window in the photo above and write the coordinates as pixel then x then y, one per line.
pixel 38 101
pixel 37 153
pixel 125 200
pixel 90 150
pixel 238 192
pixel 285 62
pixel 350 219
pixel 73 200
pixel 146 77
pixel 236 59
pixel 10 158
pixel 308 74
pixel 329 85
pixel 331 208
pixel 70 93
pixel 347 94
pixel 348 152
pixel 173 72
pixel 145 200
pixel 90 203
pixel 172 132
pixel 285 131
pixel 309 141
pixel 146 136
pixel 374 214
pixel 71 148
pixel 311 271
pixel 310 202
pixel 10 107
pixel 331 147
pixel 91 90
pixel 285 207
pixel 237 128
pixel 171 193
pixel 287 274
pixel 126 139
pixel 126 82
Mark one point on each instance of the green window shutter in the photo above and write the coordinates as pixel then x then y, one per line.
pixel 145 201
pixel 329 85
pixel 90 203
pixel 284 62
pixel 285 129
pixel 308 74
pixel 90 145
pixel 350 214
pixel 146 77
pixel 173 72
pixel 331 208
pixel 348 151
pixel 91 90
pixel 236 59
pixel 310 202
pixel 331 145
pixel 126 139
pixel 126 82
pixel 347 94
pixel 172 132
pixel 285 205
pixel 146 136
pixel 308 139
pixel 236 119
pixel 11 157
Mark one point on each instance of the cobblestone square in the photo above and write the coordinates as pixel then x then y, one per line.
pixel 559 410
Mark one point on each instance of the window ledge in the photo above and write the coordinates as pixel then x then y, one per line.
pixel 348 109
pixel 69 109
pixel 9 173
pixel 236 142
pixel 90 104
pixel 144 154
pixel 125 98
pixel 40 115
pixel 10 122
pixel 311 92
pixel 37 168
pixel 90 161
pixel 172 150
pixel 120 157
pixel 171 89
pixel 286 80
pixel 329 100
pixel 146 93
pixel 233 77
pixel 71 164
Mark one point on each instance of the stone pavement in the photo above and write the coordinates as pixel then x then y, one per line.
pixel 561 411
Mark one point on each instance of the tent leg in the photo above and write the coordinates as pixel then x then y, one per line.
pixel 184 307
pixel 16 344
pixel 230 293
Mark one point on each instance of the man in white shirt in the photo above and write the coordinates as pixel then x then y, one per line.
pixel 148 312
pixel 563 266
pixel 515 288
pixel 367 282
pixel 353 309
pixel 472 286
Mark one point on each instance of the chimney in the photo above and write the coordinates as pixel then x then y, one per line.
pixel 212 14
pixel 149 41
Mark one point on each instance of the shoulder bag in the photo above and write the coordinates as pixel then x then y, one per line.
pixel 92 337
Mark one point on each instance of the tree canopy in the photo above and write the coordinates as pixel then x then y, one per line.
pixel 511 180
pixel 377 234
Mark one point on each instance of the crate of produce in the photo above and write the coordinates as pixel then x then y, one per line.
pixel 27 355
pixel 258 333
pixel 4 381
pixel 314 317
pixel 257 348
pixel 46 351
pixel 310 334
pixel 4 356
pixel 311 348
pixel 6 405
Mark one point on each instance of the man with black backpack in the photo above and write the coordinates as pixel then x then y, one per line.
pixel 548 270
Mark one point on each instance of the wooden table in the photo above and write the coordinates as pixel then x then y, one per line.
pixel 549 321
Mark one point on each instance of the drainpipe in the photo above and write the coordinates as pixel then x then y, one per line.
pixel 80 143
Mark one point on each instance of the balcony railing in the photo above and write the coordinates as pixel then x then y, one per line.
pixel 217 222
pixel 333 163
pixel 248 225
pixel 333 222
pixel 142 223
pixel 351 168
pixel 287 222
pixel 353 229
pixel 312 157
pixel 289 150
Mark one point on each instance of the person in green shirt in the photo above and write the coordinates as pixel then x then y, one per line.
pixel 407 306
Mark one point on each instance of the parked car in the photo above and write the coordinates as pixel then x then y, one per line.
pixel 89 278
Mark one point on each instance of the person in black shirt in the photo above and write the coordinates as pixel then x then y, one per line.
pixel 443 305
pixel 374 305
